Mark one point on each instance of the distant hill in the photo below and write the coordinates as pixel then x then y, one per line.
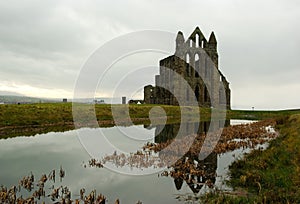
pixel 9 93
pixel 15 99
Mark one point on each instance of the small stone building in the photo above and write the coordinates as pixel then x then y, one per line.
pixel 192 73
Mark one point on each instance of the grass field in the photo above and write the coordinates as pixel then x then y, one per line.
pixel 28 119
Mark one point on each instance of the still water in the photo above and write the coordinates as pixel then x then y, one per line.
pixel 42 153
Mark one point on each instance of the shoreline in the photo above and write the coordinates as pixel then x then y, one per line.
pixel 268 176
pixel 30 119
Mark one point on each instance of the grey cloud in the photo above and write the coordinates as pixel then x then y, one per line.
pixel 45 43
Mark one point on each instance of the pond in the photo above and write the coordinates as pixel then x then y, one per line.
pixel 71 150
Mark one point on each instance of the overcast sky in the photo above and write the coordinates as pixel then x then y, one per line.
pixel 44 44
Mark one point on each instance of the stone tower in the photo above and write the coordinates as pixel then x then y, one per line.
pixel 192 73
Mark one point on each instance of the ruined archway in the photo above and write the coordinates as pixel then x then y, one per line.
pixel 197 93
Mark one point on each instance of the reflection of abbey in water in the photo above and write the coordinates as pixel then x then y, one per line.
pixel 195 183
pixel 208 165
pixel 194 64
pixel 170 131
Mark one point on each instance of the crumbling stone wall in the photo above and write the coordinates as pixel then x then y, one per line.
pixel 196 62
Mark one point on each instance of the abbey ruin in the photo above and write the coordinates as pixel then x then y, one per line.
pixel 191 74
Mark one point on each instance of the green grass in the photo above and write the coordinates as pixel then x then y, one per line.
pixel 259 115
pixel 270 176
pixel 29 119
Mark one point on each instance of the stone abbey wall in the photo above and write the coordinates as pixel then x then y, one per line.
pixel 191 74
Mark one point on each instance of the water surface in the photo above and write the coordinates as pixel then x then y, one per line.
pixel 42 153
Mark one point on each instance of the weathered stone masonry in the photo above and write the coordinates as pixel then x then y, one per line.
pixel 195 63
